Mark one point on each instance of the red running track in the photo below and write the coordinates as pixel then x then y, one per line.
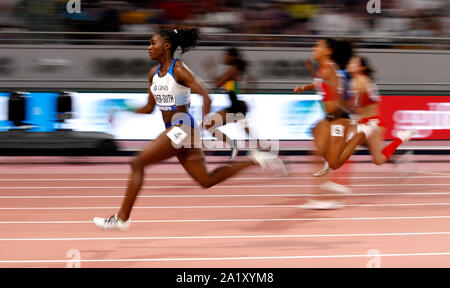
pixel 251 220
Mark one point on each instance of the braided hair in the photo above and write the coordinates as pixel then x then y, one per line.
pixel 185 38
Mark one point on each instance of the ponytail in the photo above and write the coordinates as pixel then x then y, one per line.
pixel 343 54
pixel 342 51
pixel 365 63
pixel 185 38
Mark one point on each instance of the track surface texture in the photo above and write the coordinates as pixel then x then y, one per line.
pixel 396 216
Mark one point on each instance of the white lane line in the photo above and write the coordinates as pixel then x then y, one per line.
pixel 183 172
pixel 432 173
pixel 222 207
pixel 238 220
pixel 225 195
pixel 218 186
pixel 233 236
pixel 232 258
pixel 231 179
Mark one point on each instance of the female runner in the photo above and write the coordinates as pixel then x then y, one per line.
pixel 367 111
pixel 170 84
pixel 327 52
pixel 238 109
pixel 342 53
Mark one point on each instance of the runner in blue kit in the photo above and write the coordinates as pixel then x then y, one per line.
pixel 171 83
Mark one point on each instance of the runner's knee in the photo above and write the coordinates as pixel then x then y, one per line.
pixel 205 183
pixel 334 164
pixel 321 151
pixel 136 164
pixel 379 159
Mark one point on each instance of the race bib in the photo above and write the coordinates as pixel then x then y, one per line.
pixel 177 135
pixel 337 130
pixel 165 102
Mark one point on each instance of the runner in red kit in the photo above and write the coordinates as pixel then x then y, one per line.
pixel 328 82
pixel 366 108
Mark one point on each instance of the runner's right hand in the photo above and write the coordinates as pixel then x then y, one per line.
pixel 298 89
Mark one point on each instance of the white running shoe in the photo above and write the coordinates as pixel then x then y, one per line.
pixel 325 169
pixel 405 165
pixel 321 205
pixel 335 187
pixel 405 158
pixel 234 153
pixel 112 223
pixel 268 161
pixel 405 135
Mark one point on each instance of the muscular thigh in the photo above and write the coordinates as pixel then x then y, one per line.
pixel 194 162
pixel 375 141
pixel 321 134
pixel 157 150
pixel 172 142
pixel 338 133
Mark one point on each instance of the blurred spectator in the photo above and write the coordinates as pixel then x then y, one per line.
pixel 223 19
pixel 428 18
pixel 328 22
pixel 8 15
